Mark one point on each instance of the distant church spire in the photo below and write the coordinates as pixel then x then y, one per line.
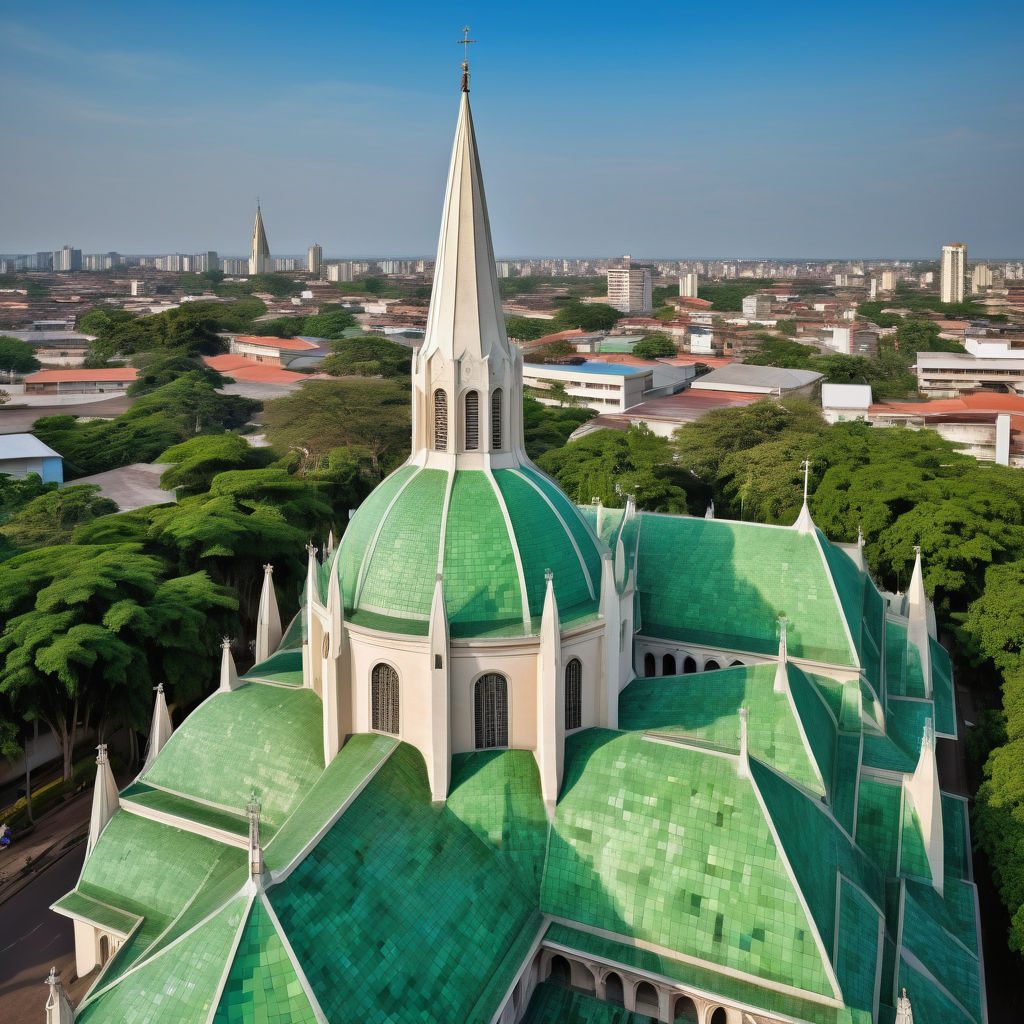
pixel 804 523
pixel 259 254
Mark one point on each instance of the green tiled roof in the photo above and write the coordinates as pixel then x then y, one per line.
pixel 401 907
pixel 181 807
pixel 180 985
pixel 283 667
pixel 262 986
pixel 879 810
pixel 749 575
pixel 390 553
pixel 553 1004
pixel 706 708
pixel 665 843
pixel 930 1002
pixel 256 737
pixel 77 904
pixel 942 689
pixel 857 961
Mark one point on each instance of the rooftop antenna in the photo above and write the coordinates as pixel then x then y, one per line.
pixel 465 41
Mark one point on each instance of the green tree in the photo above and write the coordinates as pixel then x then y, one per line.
pixel 51 517
pixel 369 356
pixel 546 427
pixel 17 356
pixel 654 346
pixel 595 316
pixel 197 461
pixel 159 368
pixel 526 328
pixel 728 297
pixel 329 325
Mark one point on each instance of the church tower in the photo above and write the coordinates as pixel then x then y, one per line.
pixel 467 379
pixel 259 254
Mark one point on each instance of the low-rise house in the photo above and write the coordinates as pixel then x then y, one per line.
pixel 760 380
pixel 79 381
pixel 21 454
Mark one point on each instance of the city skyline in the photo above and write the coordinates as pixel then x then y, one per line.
pixel 143 132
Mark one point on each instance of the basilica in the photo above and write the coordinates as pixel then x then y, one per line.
pixel 519 760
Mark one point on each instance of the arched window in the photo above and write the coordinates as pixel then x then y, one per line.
pixel 668 665
pixel 646 999
pixel 441 420
pixel 735 663
pixel 496 420
pixel 613 989
pixel 689 665
pixel 559 971
pixel 719 1016
pixel 574 694
pixel 491 711
pixel 686 1010
pixel 711 666
pixel 650 665
pixel 472 403
pixel 384 699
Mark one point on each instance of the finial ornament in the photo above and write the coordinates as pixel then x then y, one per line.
pixel 807 472
pixel 465 41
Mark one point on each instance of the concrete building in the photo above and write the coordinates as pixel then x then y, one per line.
pixel 757 306
pixel 314 259
pixel 981 278
pixel 601 386
pixel 954 265
pixel 341 271
pixel 996 365
pixel 841 403
pixel 21 454
pixel 851 339
pixel 67 259
pixel 629 288
pixel 80 382
pixel 273 351
pixel 745 378
pixel 888 281
pixel 688 284
pixel 259 253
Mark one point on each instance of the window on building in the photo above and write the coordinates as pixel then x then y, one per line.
pixel 689 665
pixel 668 665
pixel 472 402
pixel 711 666
pixel 491 711
pixel 384 699
pixel 440 420
pixel 574 694
pixel 496 420
pixel 650 665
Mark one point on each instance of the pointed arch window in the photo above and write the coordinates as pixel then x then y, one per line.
pixel 496 420
pixel 384 699
pixel 441 420
pixel 574 694
pixel 490 700
pixel 472 403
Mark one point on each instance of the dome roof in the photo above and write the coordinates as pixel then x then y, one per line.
pixel 491 535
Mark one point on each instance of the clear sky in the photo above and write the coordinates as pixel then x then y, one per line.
pixel 740 129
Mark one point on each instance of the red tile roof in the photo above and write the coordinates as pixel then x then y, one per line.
pixel 288 344
pixel 246 369
pixel 122 373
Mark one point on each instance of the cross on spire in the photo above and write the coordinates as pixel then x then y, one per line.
pixel 465 41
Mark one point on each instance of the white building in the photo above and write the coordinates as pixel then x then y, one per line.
pixel 629 288
pixel 747 378
pixel 314 259
pixel 757 306
pixel 688 286
pixel 985 364
pixel 340 271
pixel 601 386
pixel 259 255
pixel 954 259
pixel 842 403
pixel 888 283
pixel 981 278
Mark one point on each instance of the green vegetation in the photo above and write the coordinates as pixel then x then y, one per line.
pixel 186 406
pixel 525 328
pixel 787 327
pixel 369 356
pixel 906 297
pixel 197 461
pixel 728 298
pixel 547 427
pixel 654 346
pixel 51 517
pixel 574 287
pixel 17 356
pixel 593 316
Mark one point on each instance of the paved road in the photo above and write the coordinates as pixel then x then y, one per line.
pixel 19 421
pixel 33 939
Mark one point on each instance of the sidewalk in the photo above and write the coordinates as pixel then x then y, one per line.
pixel 55 833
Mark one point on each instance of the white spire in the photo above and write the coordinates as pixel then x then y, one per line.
pixel 781 673
pixel 710 513
pixel 228 672
pixel 252 811
pixel 858 556
pixel 743 767
pixel 465 305
pixel 918 631
pixel 804 523
pixel 904 1014
pixel 105 801
pixel 160 728
pixel 268 619
pixel 259 254
pixel 58 1006
pixel 439 763
pixel 550 701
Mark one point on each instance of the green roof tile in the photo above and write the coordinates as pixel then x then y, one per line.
pixel 879 811
pixel 695 868
pixel 749 575
pixel 942 689
pixel 256 737
pixel 77 904
pixel 262 986
pixel 553 1004
pixel 929 1002
pixel 859 947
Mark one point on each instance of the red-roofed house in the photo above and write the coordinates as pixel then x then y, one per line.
pixel 273 351
pixel 241 368
pixel 77 382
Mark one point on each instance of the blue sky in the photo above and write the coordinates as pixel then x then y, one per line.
pixel 728 130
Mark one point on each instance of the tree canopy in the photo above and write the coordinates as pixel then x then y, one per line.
pixel 17 356
pixel 654 346
pixel 590 316
pixel 369 356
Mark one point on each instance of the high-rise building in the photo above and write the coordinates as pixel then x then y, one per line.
pixel 259 255
pixel 954 260
pixel 67 259
pixel 888 281
pixel 688 286
pixel 340 271
pixel 314 259
pixel 981 277
pixel 629 288
pixel 234 267
pixel 205 261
